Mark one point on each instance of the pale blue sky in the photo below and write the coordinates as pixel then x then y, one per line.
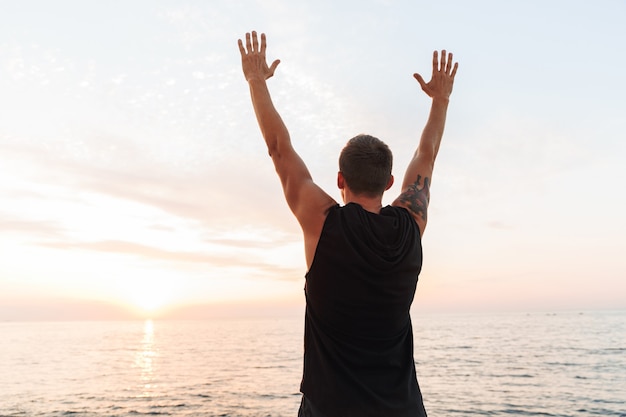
pixel 134 172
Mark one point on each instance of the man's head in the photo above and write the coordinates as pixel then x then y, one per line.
pixel 365 163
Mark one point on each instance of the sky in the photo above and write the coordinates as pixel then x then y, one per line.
pixel 135 182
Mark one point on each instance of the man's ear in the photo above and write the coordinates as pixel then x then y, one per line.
pixel 390 183
pixel 341 181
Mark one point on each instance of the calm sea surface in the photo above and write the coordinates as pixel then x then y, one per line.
pixel 564 364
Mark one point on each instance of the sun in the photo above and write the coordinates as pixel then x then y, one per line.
pixel 149 301
pixel 148 296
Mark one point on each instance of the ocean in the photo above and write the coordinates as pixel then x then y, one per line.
pixel 529 364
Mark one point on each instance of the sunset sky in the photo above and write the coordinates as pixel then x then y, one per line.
pixel 133 173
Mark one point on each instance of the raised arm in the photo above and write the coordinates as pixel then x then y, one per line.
pixel 256 71
pixel 415 194
pixel 307 201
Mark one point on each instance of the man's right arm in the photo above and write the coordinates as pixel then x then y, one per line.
pixel 308 202
pixel 415 195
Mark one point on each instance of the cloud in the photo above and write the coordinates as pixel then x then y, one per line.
pixel 222 192
pixel 219 207
pixel 494 224
pixel 144 251
pixel 46 309
pixel 240 258
pixel 10 224
pixel 272 240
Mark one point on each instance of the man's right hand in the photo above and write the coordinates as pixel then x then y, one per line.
pixel 253 59
pixel 442 79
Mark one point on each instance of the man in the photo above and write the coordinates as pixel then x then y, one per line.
pixel 363 259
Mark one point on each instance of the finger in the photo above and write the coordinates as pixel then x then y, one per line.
pixel 255 42
pixel 449 63
pixel 241 50
pixel 420 80
pixel 451 60
pixel 442 67
pixel 248 46
pixel 263 43
pixel 273 67
pixel 456 66
pixel 435 62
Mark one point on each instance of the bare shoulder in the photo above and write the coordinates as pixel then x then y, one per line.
pixel 313 210
pixel 415 199
pixel 309 203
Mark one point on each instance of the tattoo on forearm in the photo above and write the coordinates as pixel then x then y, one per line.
pixel 416 197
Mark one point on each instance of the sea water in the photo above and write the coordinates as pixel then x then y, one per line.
pixel 536 364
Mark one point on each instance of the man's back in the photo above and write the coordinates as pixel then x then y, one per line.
pixel 358 329
pixel 358 335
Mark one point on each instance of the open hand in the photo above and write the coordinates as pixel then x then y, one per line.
pixel 253 59
pixel 442 79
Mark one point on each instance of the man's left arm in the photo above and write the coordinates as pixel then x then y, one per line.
pixel 415 195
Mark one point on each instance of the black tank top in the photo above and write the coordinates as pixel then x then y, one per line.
pixel 358 338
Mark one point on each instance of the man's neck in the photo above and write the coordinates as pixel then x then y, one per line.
pixel 371 204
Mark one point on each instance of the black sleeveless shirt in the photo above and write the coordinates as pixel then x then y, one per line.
pixel 358 338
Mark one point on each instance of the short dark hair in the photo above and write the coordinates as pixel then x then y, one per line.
pixel 366 163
